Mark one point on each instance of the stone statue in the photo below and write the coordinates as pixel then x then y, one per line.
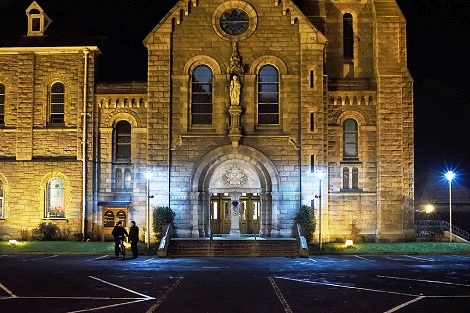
pixel 235 88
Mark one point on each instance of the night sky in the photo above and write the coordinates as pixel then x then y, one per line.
pixel 437 59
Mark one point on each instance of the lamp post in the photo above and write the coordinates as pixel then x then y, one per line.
pixel 450 175
pixel 148 175
pixel 320 175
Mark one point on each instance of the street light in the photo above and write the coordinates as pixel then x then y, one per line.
pixel 148 175
pixel 320 175
pixel 450 175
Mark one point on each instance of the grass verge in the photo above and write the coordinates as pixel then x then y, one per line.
pixel 394 248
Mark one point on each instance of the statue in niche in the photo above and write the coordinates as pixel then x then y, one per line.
pixel 235 71
pixel 235 88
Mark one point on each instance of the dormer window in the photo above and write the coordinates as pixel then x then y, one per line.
pixel 38 21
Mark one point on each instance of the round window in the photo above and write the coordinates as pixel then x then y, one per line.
pixel 234 22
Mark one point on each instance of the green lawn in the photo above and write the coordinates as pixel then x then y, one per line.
pixel 394 248
pixel 68 247
pixel 79 247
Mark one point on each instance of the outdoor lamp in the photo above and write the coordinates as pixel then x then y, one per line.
pixel 449 176
pixel 148 175
pixel 320 175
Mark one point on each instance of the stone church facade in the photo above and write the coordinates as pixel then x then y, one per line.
pixel 246 102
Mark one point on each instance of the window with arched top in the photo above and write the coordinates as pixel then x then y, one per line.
pixel 355 178
pixel 54 199
pixel 2 104
pixel 268 95
pixel 118 178
pixel 350 139
pixel 57 104
pixel 2 201
pixel 201 96
pixel 345 178
pixel 127 179
pixel 122 141
pixel 348 37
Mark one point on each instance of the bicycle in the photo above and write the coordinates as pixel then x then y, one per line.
pixel 122 249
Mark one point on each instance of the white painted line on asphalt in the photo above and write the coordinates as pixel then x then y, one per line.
pixel 348 287
pixel 313 260
pixel 404 304
pixel 7 291
pixel 94 259
pixel 165 295
pixel 279 295
pixel 424 280
pixel 360 257
pixel 148 260
pixel 126 289
pixel 36 259
pixel 421 259
pixel 108 306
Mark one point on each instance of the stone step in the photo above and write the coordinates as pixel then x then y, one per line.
pixel 232 247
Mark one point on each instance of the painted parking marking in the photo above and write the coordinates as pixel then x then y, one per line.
pixel 43 258
pixel 424 280
pixel 313 260
pixel 142 297
pixel 164 296
pixel 99 258
pixel 362 258
pixel 348 287
pixel 404 304
pixel 279 295
pixel 418 258
pixel 12 295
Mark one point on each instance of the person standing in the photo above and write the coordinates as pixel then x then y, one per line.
pixel 134 239
pixel 118 233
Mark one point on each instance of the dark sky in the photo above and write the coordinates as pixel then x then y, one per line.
pixel 437 58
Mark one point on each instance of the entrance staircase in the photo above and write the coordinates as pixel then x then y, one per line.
pixel 230 247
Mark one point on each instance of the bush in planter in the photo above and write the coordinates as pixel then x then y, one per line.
pixel 161 217
pixel 306 219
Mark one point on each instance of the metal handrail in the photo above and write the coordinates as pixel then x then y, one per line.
pixel 432 228
pixel 164 243
pixel 302 243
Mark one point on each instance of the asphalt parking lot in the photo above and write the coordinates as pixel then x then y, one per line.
pixel 398 283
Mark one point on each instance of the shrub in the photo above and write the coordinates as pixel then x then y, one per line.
pixel 306 218
pixel 24 234
pixel 162 216
pixel 45 232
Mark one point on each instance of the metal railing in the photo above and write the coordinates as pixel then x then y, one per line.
pixel 434 229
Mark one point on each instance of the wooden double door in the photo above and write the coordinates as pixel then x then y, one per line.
pixel 249 211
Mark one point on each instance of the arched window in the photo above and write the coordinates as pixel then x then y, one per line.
pixel 57 104
pixel 268 95
pixel 122 141
pixel 355 178
pixel 350 145
pixel 55 200
pixel 127 179
pixel 2 104
pixel 201 96
pixel 346 178
pixel 348 37
pixel 2 206
pixel 118 179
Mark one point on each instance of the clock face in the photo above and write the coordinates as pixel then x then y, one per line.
pixel 234 22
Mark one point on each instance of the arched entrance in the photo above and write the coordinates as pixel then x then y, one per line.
pixel 235 186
